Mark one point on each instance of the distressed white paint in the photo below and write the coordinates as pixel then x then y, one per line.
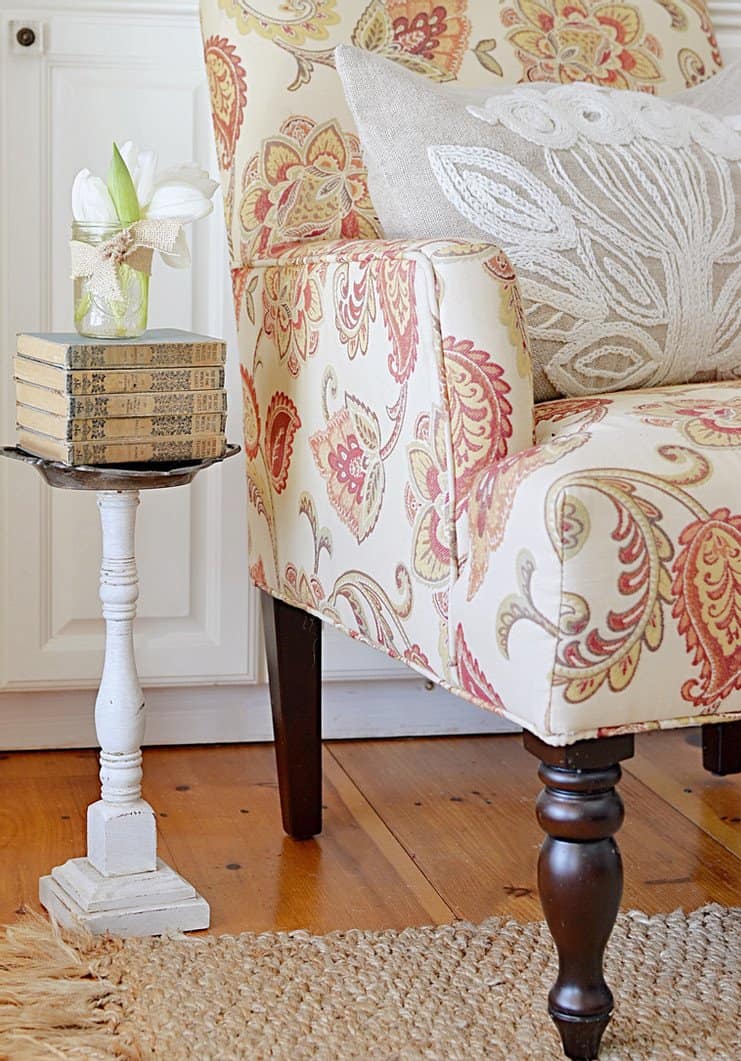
pixel 121 886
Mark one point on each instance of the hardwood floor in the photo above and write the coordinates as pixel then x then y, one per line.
pixel 416 831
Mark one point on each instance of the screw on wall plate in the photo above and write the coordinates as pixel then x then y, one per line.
pixel 25 37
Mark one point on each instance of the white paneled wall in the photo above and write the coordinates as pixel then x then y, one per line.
pixel 130 69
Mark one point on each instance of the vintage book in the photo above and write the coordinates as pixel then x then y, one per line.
pixel 122 428
pixel 155 451
pixel 111 381
pixel 166 348
pixel 86 406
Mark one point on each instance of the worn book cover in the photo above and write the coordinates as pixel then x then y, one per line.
pixel 156 451
pixel 122 428
pixel 163 348
pixel 87 406
pixel 112 381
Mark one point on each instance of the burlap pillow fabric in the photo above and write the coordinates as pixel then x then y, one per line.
pixel 618 210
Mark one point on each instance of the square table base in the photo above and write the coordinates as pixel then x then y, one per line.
pixel 76 895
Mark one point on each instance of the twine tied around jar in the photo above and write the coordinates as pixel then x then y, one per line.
pixel 132 246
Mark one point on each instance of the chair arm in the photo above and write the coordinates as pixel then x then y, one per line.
pixel 371 370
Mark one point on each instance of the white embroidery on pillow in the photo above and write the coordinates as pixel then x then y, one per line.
pixel 623 229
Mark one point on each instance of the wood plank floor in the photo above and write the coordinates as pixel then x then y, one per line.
pixel 416 831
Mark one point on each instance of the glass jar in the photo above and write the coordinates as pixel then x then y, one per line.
pixel 104 318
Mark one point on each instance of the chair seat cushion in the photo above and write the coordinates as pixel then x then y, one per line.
pixel 600 585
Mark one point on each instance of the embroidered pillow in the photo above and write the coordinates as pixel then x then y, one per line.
pixel 618 210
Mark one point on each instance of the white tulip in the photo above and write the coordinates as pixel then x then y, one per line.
pixel 180 258
pixel 141 165
pixel 91 201
pixel 182 192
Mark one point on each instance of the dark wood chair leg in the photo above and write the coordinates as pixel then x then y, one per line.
pixel 580 879
pixel 293 641
pixel 721 748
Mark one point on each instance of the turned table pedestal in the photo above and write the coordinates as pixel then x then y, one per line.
pixel 120 886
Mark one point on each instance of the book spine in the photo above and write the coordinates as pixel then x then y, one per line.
pixel 88 406
pixel 158 451
pixel 138 429
pixel 125 381
pixel 124 355
pixel 163 355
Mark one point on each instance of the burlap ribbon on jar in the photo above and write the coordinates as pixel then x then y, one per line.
pixel 132 246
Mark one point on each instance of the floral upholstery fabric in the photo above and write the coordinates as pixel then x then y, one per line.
pixel 580 585
pixel 581 582
pixel 288 149
pixel 601 588
pixel 374 397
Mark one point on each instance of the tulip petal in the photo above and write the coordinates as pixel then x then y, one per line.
pixel 91 202
pixel 178 200
pixel 180 258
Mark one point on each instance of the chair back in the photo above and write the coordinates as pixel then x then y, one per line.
pixel 289 155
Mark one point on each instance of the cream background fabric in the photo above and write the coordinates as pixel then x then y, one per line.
pixel 617 210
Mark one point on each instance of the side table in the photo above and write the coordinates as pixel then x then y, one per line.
pixel 121 886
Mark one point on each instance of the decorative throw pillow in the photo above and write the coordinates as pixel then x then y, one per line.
pixel 618 210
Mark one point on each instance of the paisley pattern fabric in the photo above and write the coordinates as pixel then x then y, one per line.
pixel 287 144
pixel 396 485
pixel 602 584
pixel 575 565
pixel 373 399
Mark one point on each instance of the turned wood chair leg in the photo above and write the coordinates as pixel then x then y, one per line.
pixel 580 879
pixel 721 748
pixel 293 641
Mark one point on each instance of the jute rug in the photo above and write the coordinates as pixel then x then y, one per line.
pixel 453 992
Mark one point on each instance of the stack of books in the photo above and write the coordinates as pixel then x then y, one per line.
pixel 156 399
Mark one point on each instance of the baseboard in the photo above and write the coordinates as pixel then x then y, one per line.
pixel 223 714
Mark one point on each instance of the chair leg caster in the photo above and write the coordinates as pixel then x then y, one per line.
pixel 580 879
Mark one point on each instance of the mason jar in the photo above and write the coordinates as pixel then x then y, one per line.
pixel 104 318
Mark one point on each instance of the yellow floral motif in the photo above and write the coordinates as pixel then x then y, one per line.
pixel 704 421
pixel 292 311
pixel 298 21
pixel 426 36
pixel 309 182
pixel 584 40
pixel 428 501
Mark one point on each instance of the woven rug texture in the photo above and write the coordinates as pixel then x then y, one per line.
pixel 444 993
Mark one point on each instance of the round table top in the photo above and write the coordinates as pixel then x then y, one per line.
pixel 116 476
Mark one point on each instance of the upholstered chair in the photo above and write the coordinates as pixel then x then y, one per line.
pixel 575 565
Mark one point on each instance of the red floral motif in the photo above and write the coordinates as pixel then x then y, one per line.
pixel 512 312
pixel 292 311
pixel 228 90
pixel 493 493
pixel 580 413
pixel 257 574
pixel 704 421
pixel 480 413
pixel 437 32
pixel 399 308
pixel 707 585
pixel 348 456
pixel 251 414
pixel 281 424
pixel 416 656
pixel 583 40
pixel 424 35
pixel 428 501
pixel 309 182
pixel 470 675
pixel 303 589
pixel 239 281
